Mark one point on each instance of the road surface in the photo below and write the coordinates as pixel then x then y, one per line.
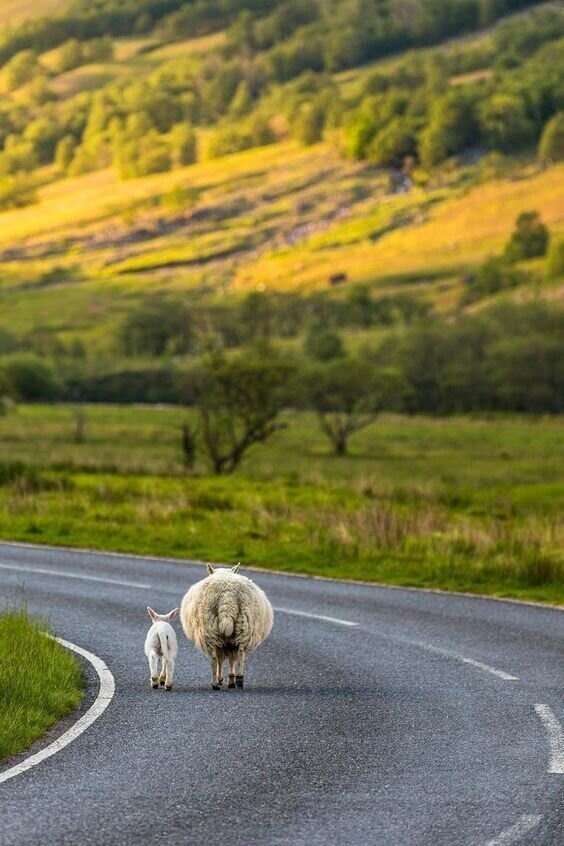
pixel 370 716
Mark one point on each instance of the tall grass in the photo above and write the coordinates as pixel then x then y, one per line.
pixel 39 681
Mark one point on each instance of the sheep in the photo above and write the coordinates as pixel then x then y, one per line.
pixel 226 615
pixel 161 643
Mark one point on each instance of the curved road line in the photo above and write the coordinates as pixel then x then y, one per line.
pixel 517 831
pixel 105 695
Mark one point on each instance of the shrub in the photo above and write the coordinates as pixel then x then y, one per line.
pixel 555 264
pixel 530 238
pixel 32 378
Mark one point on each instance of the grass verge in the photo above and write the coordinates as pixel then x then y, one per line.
pixel 40 681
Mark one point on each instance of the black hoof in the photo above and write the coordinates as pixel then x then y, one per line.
pixel 216 686
pixel 155 686
pixel 162 684
pixel 168 687
pixel 239 682
pixel 231 682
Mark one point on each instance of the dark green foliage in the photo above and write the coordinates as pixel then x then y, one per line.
pixel 239 401
pixel 323 344
pixel 157 327
pixel 551 144
pixel 32 378
pixel 494 275
pixel 530 238
pixel 348 394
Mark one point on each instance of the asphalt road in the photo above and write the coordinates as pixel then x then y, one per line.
pixel 416 725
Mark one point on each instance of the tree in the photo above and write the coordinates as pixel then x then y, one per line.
pixel 32 378
pixel 551 145
pixel 530 238
pixel 70 55
pixel 239 401
pixel 64 152
pixel 504 123
pixel 452 127
pixel 393 143
pixel 323 344
pixel 158 326
pixel 348 395
pixel 182 144
pixel 21 68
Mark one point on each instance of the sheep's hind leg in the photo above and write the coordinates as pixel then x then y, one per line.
pixel 216 663
pixel 232 659
pixel 239 678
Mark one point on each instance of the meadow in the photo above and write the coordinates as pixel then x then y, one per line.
pixel 40 681
pixel 459 503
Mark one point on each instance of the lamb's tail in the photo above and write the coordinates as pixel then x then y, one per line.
pixel 165 645
pixel 226 615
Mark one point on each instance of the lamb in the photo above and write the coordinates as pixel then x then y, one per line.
pixel 226 615
pixel 161 643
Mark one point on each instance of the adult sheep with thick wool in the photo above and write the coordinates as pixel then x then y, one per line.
pixel 226 615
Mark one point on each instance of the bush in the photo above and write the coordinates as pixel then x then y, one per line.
pixel 32 378
pixel 494 275
pixel 323 344
pixel 530 238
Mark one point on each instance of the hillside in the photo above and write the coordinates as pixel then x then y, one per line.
pixel 217 154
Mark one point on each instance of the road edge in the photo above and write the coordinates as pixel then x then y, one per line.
pixel 105 695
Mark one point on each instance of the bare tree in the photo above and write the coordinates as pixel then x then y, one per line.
pixel 239 401
pixel 348 395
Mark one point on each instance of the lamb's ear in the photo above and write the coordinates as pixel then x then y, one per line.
pixel 210 569
pixel 171 614
pixel 152 614
pixel 235 569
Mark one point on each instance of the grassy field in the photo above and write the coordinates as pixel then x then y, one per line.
pixel 13 12
pixel 40 682
pixel 464 504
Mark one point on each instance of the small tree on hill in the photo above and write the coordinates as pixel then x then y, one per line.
pixel 239 401
pixel 530 238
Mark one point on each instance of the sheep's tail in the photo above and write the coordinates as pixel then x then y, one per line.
pixel 165 646
pixel 226 615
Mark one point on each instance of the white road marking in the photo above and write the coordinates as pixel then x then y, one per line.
pixel 555 738
pixel 501 674
pixel 316 617
pixel 511 835
pixel 105 695
pixel 47 571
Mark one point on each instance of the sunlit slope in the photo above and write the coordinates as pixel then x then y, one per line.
pixel 279 218
pixel 13 12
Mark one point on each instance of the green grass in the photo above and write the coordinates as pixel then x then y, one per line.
pixel 40 681
pixel 461 504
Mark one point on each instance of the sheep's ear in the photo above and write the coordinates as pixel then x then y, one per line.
pixel 235 569
pixel 171 614
pixel 152 614
pixel 210 569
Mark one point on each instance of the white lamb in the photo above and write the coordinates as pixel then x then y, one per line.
pixel 226 615
pixel 161 643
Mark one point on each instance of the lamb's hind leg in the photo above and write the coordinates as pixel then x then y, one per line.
pixel 240 671
pixel 154 669
pixel 232 662
pixel 169 669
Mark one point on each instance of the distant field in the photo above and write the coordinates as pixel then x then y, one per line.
pixel 469 504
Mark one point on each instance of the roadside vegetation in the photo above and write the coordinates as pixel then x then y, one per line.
pixel 454 503
pixel 40 681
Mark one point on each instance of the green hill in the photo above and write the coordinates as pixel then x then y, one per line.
pixel 212 152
